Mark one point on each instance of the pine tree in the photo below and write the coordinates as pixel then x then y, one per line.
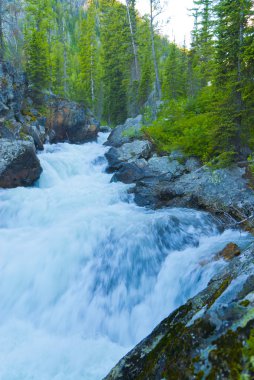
pixel 36 34
pixel 230 71
pixel 89 56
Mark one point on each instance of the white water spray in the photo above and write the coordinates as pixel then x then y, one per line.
pixel 85 273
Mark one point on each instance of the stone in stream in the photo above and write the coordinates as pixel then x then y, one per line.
pixel 229 252
pixel 128 152
pixel 126 132
pixel 19 165
pixel 138 169
pixel 69 121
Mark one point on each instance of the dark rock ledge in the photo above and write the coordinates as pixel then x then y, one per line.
pixel 210 337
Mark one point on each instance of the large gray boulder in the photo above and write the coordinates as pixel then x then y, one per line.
pixel 19 165
pixel 128 152
pixel 69 121
pixel 125 133
pixel 138 169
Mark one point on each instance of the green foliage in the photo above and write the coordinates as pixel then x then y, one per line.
pixel 209 109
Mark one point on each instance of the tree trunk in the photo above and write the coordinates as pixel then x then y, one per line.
pixel 156 69
pixel 92 78
pixel 134 46
pixel 1 32
pixel 239 100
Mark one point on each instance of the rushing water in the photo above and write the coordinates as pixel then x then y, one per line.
pixel 85 273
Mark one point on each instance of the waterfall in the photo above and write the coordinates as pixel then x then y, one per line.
pixel 85 273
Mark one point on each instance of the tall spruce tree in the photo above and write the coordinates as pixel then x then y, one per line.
pixel 230 72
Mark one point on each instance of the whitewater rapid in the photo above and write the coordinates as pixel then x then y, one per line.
pixel 85 273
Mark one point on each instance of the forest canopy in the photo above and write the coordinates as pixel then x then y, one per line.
pixel 117 63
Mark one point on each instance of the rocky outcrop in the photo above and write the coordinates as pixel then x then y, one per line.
pixel 68 121
pixel 178 181
pixel 12 89
pixel 118 156
pixel 26 112
pixel 19 165
pixel 210 337
pixel 224 192
pixel 29 118
pixel 129 131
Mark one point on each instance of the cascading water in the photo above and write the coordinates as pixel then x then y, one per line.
pixel 85 273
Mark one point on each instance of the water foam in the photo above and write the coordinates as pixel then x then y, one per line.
pixel 85 273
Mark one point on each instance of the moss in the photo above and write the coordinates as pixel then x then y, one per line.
pixel 4 82
pixel 132 133
pixel 233 357
pixel 200 375
pixel 245 303
pixel 10 125
pixel 27 112
pixel 226 359
pixel 219 291
pixel 248 356
pixel 24 136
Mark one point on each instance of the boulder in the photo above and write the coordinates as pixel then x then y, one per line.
pixel 19 165
pixel 229 252
pixel 68 121
pixel 105 129
pixel 38 134
pixel 139 169
pixel 163 165
pixel 128 152
pixel 131 172
pixel 125 133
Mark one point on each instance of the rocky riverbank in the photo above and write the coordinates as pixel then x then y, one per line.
pixel 178 181
pixel 212 335
pixel 29 118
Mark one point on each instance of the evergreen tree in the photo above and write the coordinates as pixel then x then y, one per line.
pixel 230 72
pixel 89 56
pixel 36 32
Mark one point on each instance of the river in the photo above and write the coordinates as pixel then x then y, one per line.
pixel 85 273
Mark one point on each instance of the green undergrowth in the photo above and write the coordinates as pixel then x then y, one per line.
pixel 200 127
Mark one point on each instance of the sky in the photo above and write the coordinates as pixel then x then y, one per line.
pixel 180 23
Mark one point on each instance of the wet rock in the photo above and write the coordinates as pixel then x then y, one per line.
pixel 128 152
pixel 192 164
pixel 229 252
pixel 210 337
pixel 38 134
pixel 162 165
pixel 223 192
pixel 105 129
pixel 130 172
pixel 68 121
pixel 155 167
pixel 19 165
pixel 125 133
pixel 6 133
